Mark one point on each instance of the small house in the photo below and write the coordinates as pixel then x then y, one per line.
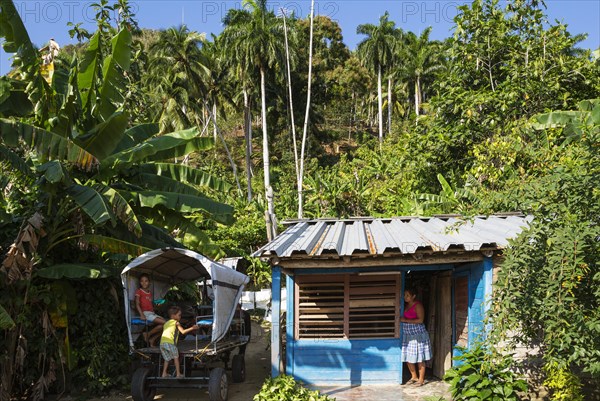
pixel 345 279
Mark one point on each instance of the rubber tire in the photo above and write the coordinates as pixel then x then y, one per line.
pixel 140 388
pixel 217 385
pixel 238 369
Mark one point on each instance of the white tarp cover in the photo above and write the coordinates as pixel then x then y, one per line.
pixel 170 266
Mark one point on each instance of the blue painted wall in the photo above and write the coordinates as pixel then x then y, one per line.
pixel 480 287
pixel 341 361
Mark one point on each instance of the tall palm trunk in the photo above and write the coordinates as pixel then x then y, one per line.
pixel 248 137
pixel 270 214
pixel 304 133
pixel 380 104
pixel 352 113
pixel 214 112
pixel 389 105
pixel 417 94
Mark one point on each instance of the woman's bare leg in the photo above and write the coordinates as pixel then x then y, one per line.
pixel 412 370
pixel 421 372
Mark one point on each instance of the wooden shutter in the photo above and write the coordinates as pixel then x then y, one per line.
pixel 373 306
pixel 320 309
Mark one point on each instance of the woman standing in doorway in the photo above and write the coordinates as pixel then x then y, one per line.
pixel 416 346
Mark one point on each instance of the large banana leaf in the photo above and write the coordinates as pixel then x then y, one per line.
pixel 152 237
pixel 16 38
pixel 194 145
pixel 137 135
pixel 556 119
pixel 162 147
pixel 572 122
pixel 104 138
pixel 115 65
pixel 13 99
pixel 163 184
pixel 188 233
pixel 121 209
pixel 113 245
pixel 88 71
pixel 182 203
pixel 6 322
pixel 53 171
pixel 90 201
pixel 14 161
pixel 183 173
pixel 76 271
pixel 48 145
pixel 67 88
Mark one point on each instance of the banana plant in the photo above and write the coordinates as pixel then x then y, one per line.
pixel 449 200
pixel 89 161
pixel 572 122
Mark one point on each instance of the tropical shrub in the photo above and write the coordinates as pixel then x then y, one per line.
pixel 484 374
pixel 563 385
pixel 284 388
pixel 548 288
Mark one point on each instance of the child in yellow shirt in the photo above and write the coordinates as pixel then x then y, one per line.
pixel 168 341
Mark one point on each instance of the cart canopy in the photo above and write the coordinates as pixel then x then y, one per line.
pixel 171 266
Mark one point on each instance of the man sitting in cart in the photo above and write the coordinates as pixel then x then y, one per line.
pixel 168 341
pixel 144 306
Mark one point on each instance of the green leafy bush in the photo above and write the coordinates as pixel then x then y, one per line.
pixel 284 388
pixel 563 385
pixel 483 374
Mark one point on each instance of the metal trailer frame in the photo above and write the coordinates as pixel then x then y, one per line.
pixel 201 354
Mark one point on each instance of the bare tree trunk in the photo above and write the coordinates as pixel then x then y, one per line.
pixel 289 76
pixel 389 105
pixel 270 212
pixel 220 134
pixel 248 137
pixel 380 105
pixel 306 115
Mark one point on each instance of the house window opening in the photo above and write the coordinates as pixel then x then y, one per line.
pixel 348 306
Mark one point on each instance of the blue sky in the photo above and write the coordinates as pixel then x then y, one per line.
pixel 47 18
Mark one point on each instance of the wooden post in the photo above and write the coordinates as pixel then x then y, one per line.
pixel 275 322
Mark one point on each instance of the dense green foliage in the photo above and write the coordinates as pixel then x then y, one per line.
pixel 562 383
pixel 548 288
pixel 140 138
pixel 483 374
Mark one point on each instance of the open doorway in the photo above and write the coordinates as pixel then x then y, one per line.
pixel 434 290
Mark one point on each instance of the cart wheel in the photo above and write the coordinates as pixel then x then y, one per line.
pixel 140 386
pixel 217 385
pixel 238 368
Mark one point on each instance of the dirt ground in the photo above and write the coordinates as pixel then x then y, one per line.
pixel 258 368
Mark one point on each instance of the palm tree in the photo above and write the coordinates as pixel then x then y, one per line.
pixel 178 74
pixel 254 39
pixel 421 59
pixel 376 51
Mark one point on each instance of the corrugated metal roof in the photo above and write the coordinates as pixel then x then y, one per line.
pixel 405 235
